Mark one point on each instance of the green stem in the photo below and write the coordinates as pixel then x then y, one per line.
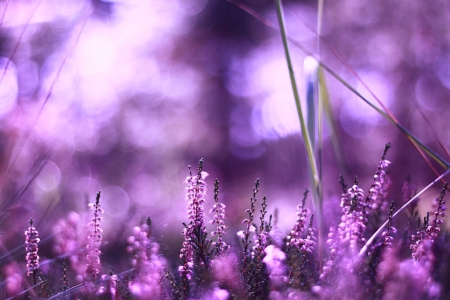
pixel 317 193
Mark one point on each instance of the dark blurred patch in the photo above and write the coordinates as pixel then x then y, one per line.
pixel 103 9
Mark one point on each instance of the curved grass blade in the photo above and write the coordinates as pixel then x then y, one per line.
pixel 409 135
pixel 430 126
pixel 372 238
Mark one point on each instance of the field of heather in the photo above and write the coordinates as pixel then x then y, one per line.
pixel 213 149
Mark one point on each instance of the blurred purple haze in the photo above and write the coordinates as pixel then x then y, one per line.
pixel 121 96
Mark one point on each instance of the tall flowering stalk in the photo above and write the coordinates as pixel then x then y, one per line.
pixel 299 245
pixel 93 258
pixel 195 248
pixel 295 235
pixel 426 236
pixel 245 235
pixel 381 182
pixel 253 269
pixel 390 230
pixel 219 216
pixel 31 249
pixel 376 197
pixel 353 220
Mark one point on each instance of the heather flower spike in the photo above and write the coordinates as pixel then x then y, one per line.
pixel 390 230
pixel 93 258
pixel 219 216
pixel 253 269
pixel 429 232
pixel 300 226
pixel 380 184
pixel 249 227
pixel 31 249
pixel 64 279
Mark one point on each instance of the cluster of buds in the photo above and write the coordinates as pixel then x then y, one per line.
pixel 381 182
pixel 353 220
pixel 262 237
pixel 390 230
pixel 245 234
pixel 295 236
pixel 109 286
pixel 219 216
pixel 330 264
pixel 31 248
pixel 93 248
pixel 196 193
pixel 426 236
pixel 434 229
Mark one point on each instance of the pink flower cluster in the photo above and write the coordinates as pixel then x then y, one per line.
pixel 428 234
pixel 31 248
pixel 93 248
pixel 353 220
pixel 146 261
pixel 296 236
pixel 219 217
pixel 196 193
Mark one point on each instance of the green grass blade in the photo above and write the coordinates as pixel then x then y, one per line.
pixel 317 193
pixel 324 102
pixel 321 91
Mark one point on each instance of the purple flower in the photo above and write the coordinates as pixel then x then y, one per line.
pixel 352 222
pixel 275 262
pixel 219 216
pixel 380 184
pixel 31 249
pixel 146 261
pixel 93 248
pixel 427 235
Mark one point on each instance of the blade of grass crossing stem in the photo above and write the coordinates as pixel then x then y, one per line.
pixel 372 238
pixel 317 193
pixel 433 155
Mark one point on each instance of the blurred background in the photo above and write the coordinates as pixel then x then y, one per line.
pixel 121 96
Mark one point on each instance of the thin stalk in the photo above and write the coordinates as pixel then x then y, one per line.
pixel 321 90
pixel 319 25
pixel 334 136
pixel 317 194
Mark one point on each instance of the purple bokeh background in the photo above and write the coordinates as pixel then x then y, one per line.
pixel 121 96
